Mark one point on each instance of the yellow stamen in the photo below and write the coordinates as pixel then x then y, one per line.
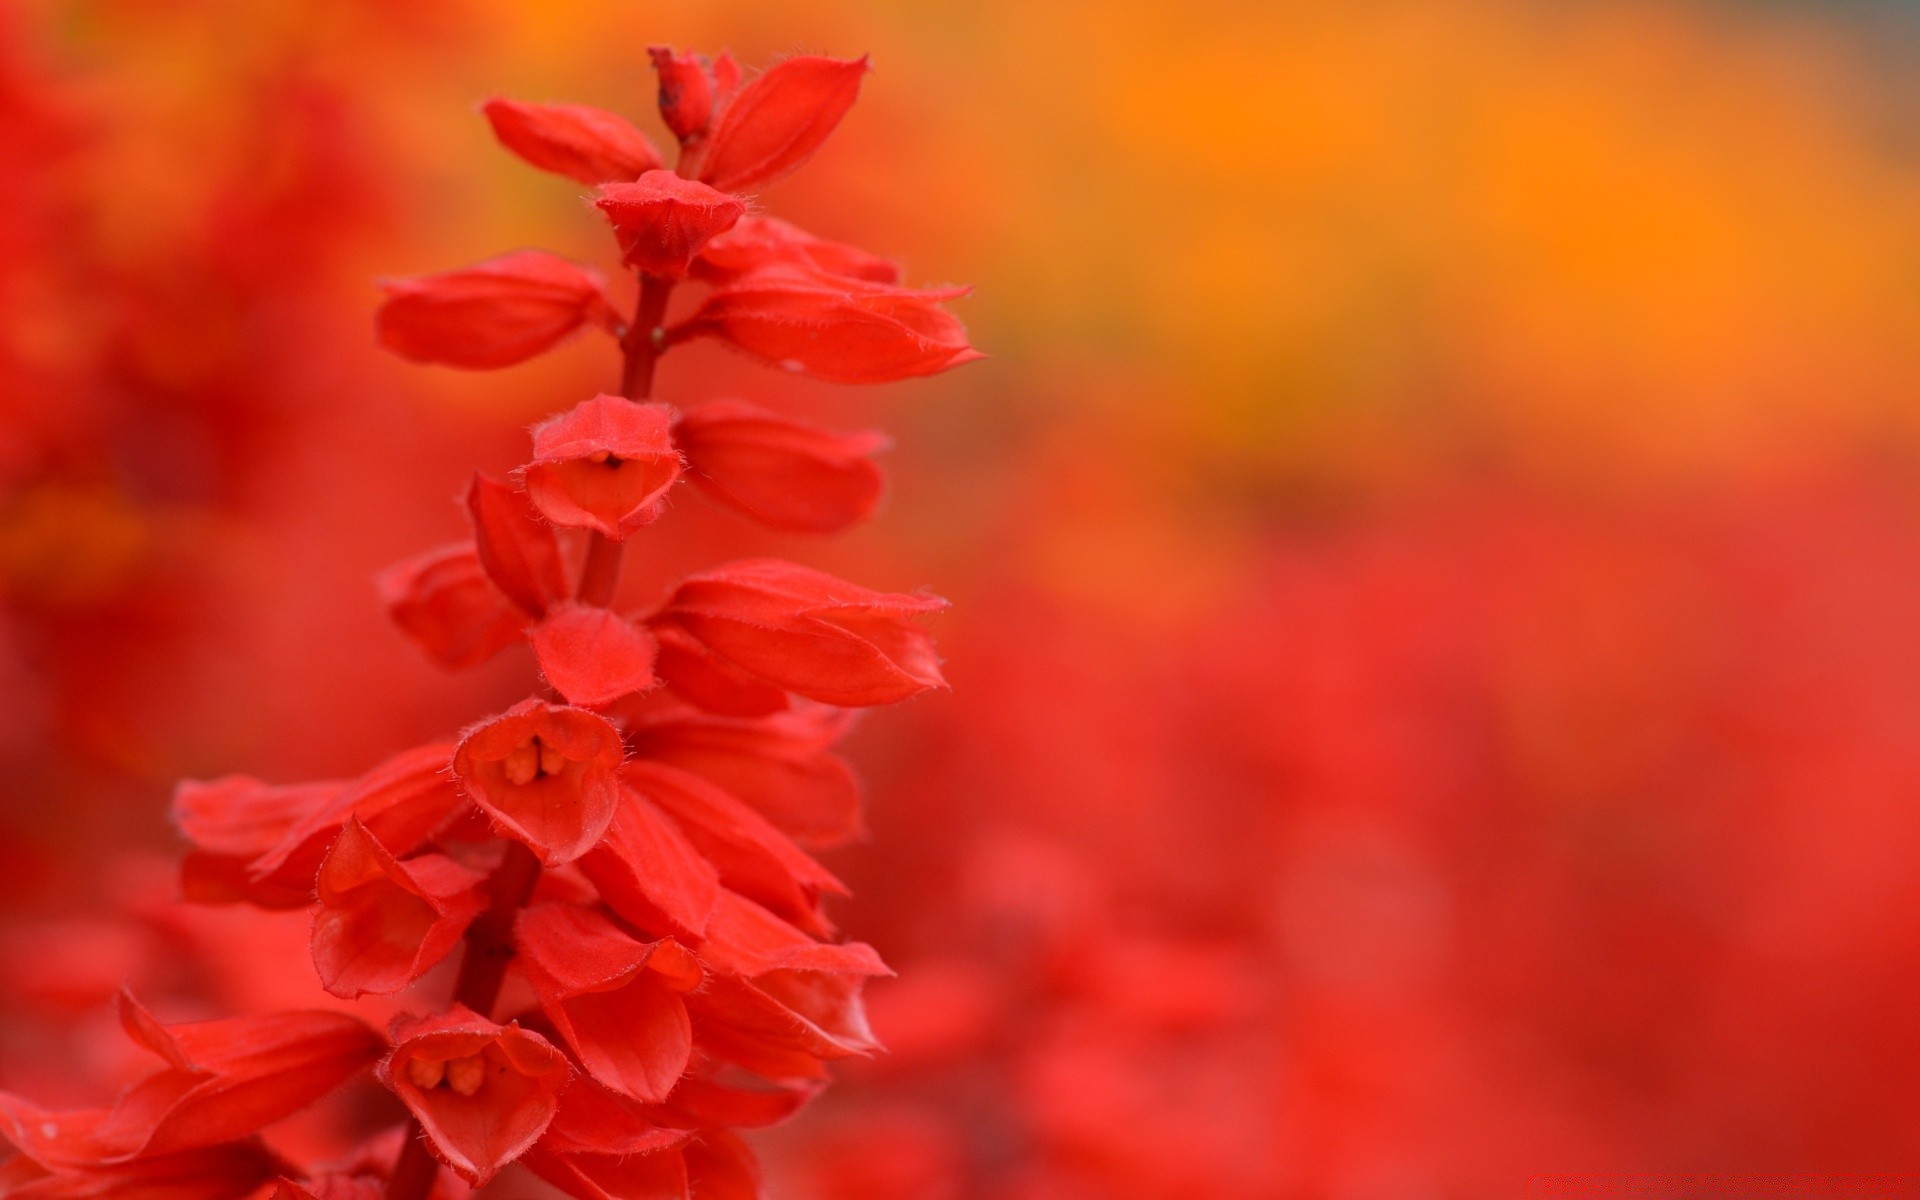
pixel 465 1075
pixel 425 1074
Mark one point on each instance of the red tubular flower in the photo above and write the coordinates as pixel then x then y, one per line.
pixel 650 873
pixel 444 601
pixel 382 922
pixel 603 1146
pixel 617 1002
pixel 605 465
pixel 807 632
pixel 686 91
pixel 832 327
pixel 516 548
pixel 786 473
pixel 591 655
pixel 758 242
pixel 662 220
pixel 545 773
pixel 782 765
pixel 779 119
pixel 753 857
pixel 493 314
pixel 590 145
pixel 483 1093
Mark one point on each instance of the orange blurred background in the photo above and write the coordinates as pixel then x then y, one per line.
pixel 1435 551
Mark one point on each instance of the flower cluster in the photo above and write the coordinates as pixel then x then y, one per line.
pixel 622 862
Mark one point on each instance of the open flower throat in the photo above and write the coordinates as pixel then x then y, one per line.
pixel 621 863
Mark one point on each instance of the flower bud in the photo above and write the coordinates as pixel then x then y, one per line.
pixel 587 144
pixel 493 314
pixel 785 473
pixel 778 120
pixel 662 220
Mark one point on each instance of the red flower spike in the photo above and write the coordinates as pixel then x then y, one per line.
pixel 782 472
pixel 661 220
pixel 810 633
pixel 227 1079
pixel 544 773
pixel 781 765
pixel 444 601
pixel 758 242
pixel 517 549
pixel 483 1093
pixel 704 679
pixel 591 655
pixel 383 923
pixel 686 91
pixel 402 802
pixel 493 314
pixel 753 858
pixel 617 1002
pixel 777 121
pixel 831 327
pixel 649 872
pixel 590 145
pixel 605 465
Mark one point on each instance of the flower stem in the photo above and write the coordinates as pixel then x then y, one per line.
pixel 641 348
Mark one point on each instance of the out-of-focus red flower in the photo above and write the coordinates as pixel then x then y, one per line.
pixel 648 872
pixel 590 145
pixel 444 601
pixel 783 472
pixel 757 242
pixel 778 120
pixel 618 1003
pixel 662 220
pixel 782 764
pixel 807 632
pixel 833 327
pixel 381 922
pixel 545 773
pixel 518 550
pixel 493 314
pixel 592 655
pixel 482 1092
pixel 605 465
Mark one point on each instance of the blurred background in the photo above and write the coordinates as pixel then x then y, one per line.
pixel 1435 551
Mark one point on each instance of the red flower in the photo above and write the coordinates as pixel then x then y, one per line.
pixel 382 922
pixel 706 680
pixel 545 773
pixel 591 655
pixel 650 873
pixel 778 120
pixel 662 220
pixel 833 327
pixel 517 549
pixel 781 764
pixel 444 601
pixel 789 474
pixel 587 144
pixel 807 632
pixel 603 1146
pixel 617 1002
pixel 493 314
pixel 753 857
pixel 758 242
pixel 483 1093
pixel 605 465
pixel 690 89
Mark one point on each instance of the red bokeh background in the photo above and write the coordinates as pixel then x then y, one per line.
pixel 1435 554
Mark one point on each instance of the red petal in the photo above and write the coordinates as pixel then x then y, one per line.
pixel 745 939
pixel 590 145
pixel 594 1120
pixel 648 872
pixel 238 815
pixel 662 220
pixel 545 773
pixel 779 119
pixel 753 857
pixel 758 242
pixel 703 678
pixel 517 1085
pixel 810 633
pixel 780 764
pixel 708 1103
pixel 605 464
pixel 661 1175
pixel 443 600
pixel 383 923
pixel 516 547
pixel 626 1023
pixel 591 655
pixel 832 327
pixel 786 473
pixel 493 314
pixel 721 1167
